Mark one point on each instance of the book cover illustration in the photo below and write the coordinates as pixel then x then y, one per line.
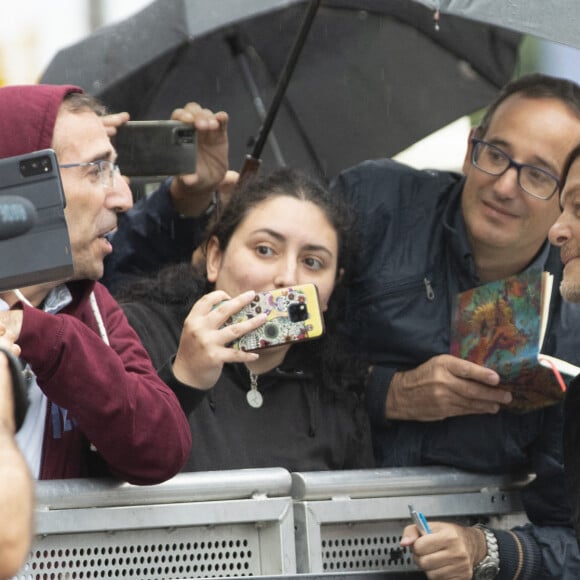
pixel 497 325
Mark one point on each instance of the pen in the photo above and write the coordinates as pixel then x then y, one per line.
pixel 420 521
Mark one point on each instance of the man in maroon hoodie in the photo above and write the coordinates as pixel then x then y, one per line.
pixel 97 405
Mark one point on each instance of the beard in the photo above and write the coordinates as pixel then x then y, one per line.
pixel 570 289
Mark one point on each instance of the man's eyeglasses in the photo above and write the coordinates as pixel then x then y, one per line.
pixel 533 180
pixel 105 169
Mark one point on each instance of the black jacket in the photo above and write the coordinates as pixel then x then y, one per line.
pixel 301 426
pixel 416 257
pixel 572 448
pixel 151 235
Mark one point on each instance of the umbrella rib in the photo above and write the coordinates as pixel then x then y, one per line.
pixel 154 88
pixel 238 50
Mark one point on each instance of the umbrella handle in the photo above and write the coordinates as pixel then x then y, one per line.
pixel 253 160
pixel 250 167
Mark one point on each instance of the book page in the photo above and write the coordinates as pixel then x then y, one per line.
pixel 563 366
pixel 547 283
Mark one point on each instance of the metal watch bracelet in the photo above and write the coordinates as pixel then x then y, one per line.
pixel 488 568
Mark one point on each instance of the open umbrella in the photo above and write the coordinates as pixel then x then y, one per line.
pixel 559 22
pixel 374 76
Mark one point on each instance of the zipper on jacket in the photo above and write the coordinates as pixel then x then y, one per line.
pixel 429 289
pixel 414 284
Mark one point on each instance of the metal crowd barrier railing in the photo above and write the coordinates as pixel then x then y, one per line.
pixel 254 522
pixel 353 520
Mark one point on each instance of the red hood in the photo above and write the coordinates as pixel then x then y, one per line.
pixel 27 116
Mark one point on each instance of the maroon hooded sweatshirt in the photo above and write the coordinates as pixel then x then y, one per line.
pixel 109 397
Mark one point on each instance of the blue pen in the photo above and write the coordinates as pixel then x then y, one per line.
pixel 420 521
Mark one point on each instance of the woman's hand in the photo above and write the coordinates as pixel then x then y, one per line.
pixel 203 346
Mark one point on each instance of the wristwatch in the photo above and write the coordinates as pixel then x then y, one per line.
pixel 488 568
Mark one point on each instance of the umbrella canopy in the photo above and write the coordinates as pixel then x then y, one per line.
pixel 558 23
pixel 374 76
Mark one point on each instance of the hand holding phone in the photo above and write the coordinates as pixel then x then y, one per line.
pixel 293 315
pixel 205 342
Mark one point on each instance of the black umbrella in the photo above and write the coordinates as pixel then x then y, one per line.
pixel 374 76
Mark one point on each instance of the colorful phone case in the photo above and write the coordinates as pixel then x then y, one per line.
pixel 293 315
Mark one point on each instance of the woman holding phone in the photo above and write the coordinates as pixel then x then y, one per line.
pixel 299 405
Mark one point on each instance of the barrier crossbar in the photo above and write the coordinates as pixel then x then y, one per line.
pixel 197 525
pixel 352 521
pixel 254 522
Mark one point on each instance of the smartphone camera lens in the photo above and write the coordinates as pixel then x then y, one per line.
pixel 35 166
pixel 297 312
pixel 184 136
pixel 271 331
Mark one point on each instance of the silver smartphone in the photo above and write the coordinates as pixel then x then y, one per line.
pixel 155 148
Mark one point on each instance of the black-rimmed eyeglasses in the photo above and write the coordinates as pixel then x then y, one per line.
pixel 533 180
pixel 106 170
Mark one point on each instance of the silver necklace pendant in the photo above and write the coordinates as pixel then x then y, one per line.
pixel 254 399
pixel 253 396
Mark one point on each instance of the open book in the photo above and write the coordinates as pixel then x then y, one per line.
pixel 501 325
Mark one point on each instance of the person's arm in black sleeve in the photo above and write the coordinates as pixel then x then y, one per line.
pixel 168 226
pixel 151 235
pixel 189 397
pixel 547 547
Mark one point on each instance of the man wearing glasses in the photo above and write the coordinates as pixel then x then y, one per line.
pixel 425 236
pixel 97 406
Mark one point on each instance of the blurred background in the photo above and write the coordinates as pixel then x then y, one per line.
pixel 32 31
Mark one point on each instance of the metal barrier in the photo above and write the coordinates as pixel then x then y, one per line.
pixel 352 521
pixel 197 525
pixel 254 522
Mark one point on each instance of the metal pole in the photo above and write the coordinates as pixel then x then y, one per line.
pixel 253 160
pixel 96 9
pixel 238 50
pixel 285 78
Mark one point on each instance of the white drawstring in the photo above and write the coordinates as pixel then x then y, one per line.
pixel 99 319
pixel 22 298
pixel 94 308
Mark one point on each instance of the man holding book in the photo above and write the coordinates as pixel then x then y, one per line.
pixel 426 236
pixel 565 234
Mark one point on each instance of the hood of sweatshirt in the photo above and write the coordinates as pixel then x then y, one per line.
pixel 28 115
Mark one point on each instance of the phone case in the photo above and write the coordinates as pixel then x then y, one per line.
pixel 43 252
pixel 293 315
